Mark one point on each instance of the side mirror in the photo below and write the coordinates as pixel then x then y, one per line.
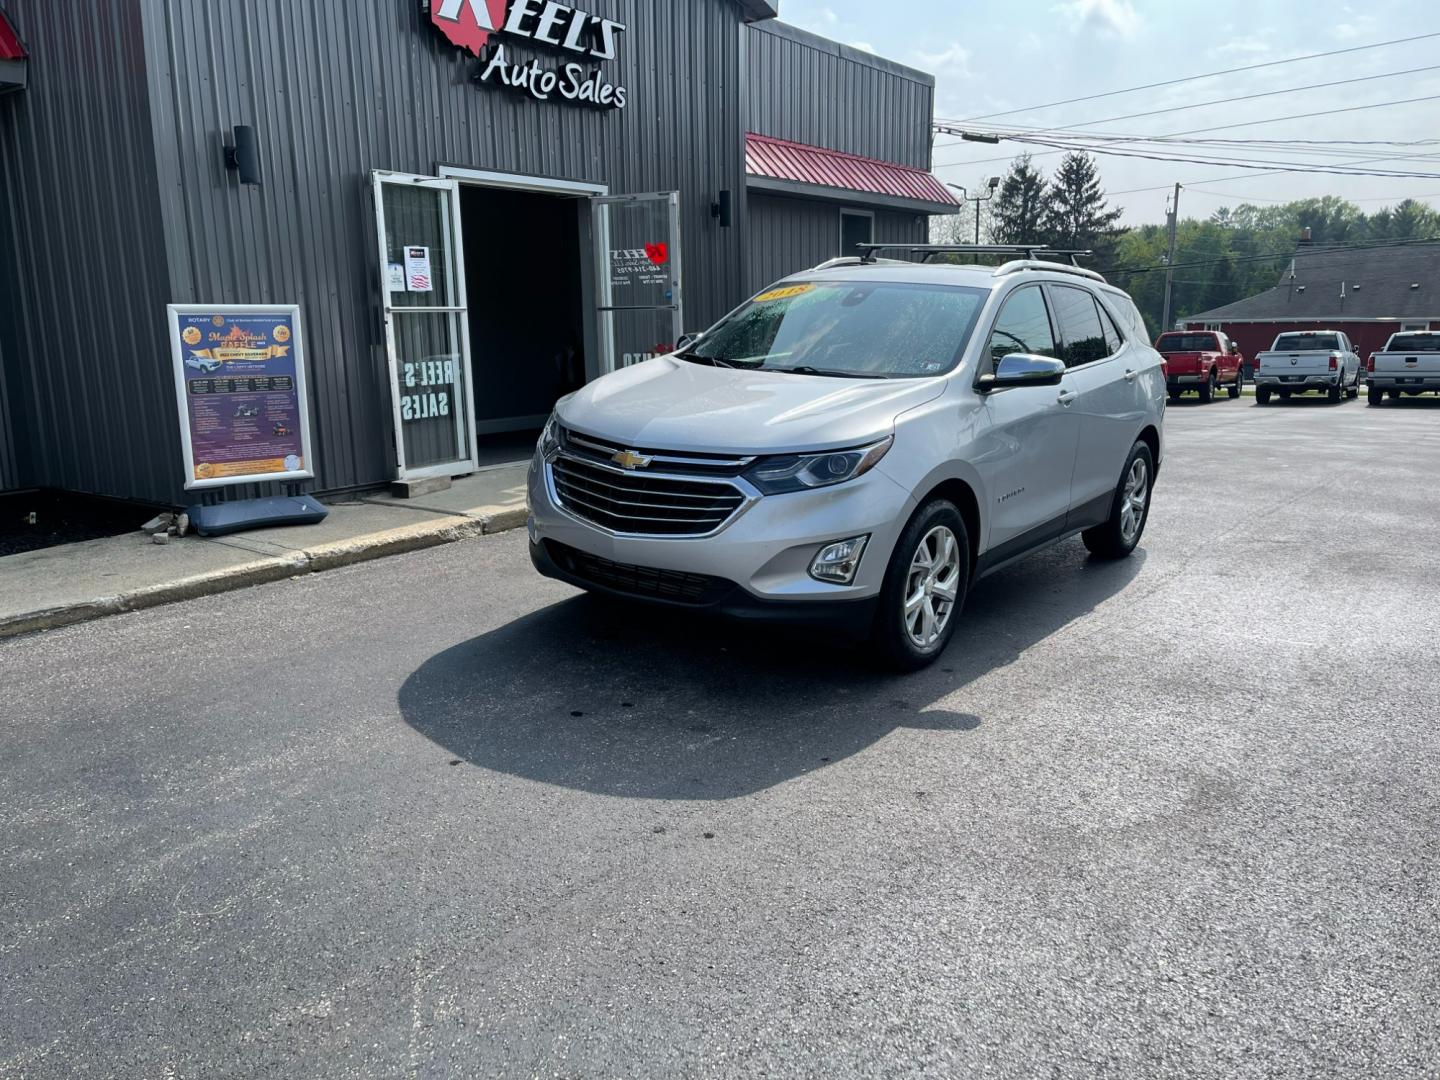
pixel 1022 369
pixel 688 339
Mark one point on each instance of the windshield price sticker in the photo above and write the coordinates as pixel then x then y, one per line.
pixel 784 293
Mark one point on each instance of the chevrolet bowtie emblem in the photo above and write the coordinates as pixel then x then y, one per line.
pixel 629 459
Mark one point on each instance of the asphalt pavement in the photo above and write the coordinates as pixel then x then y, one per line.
pixel 436 816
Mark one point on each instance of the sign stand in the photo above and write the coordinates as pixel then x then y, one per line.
pixel 240 388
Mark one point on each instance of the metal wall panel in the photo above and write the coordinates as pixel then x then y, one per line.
pixel 9 464
pixel 335 90
pixel 810 90
pixel 82 272
pixel 788 235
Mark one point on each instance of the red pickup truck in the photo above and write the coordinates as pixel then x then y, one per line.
pixel 1201 360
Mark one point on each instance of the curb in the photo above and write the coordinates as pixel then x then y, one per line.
pixel 262 571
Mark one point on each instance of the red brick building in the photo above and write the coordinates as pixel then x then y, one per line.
pixel 1368 293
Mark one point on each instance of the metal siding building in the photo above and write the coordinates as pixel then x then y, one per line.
pixel 118 199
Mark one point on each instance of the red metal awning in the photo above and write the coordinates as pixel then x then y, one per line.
pixel 780 159
pixel 10 47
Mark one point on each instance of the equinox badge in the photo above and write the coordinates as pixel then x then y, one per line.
pixel 630 459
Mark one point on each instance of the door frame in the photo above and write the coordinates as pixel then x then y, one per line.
pixel 605 307
pixel 459 466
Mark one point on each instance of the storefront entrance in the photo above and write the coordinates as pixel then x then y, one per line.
pixel 503 293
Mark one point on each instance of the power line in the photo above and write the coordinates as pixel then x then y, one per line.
pixel 1222 127
pixel 1207 75
pixel 1230 100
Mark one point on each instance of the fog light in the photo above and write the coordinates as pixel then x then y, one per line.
pixel 837 562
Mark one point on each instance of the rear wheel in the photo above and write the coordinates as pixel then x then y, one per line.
pixel 1334 393
pixel 1207 389
pixel 1129 510
pixel 1174 395
pixel 1374 395
pixel 1234 388
pixel 925 586
pixel 1394 395
pixel 1262 395
pixel 1284 395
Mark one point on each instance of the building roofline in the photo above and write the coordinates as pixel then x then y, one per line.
pixel 845 52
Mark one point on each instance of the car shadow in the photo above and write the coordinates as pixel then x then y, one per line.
pixel 627 700
pixel 1419 402
pixel 1311 400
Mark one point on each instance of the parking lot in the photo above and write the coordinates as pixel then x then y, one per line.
pixel 1177 815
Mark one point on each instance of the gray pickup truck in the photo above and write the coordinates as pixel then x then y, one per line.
pixel 1409 364
pixel 1305 360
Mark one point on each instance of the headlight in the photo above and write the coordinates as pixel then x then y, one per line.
pixel 549 438
pixel 800 472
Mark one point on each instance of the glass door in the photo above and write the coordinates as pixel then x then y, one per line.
pixel 427 329
pixel 637 240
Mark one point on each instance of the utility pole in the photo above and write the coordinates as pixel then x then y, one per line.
pixel 1174 216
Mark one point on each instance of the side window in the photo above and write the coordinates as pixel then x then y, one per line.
pixel 1082 335
pixel 1022 327
pixel 1113 337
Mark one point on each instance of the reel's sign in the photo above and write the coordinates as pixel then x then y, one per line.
pixel 469 24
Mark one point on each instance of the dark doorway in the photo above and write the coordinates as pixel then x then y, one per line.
pixel 527 318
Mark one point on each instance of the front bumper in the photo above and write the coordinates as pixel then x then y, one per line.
pixel 761 556
pixel 1300 382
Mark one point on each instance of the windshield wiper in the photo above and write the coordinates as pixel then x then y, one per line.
pixel 806 369
pixel 713 361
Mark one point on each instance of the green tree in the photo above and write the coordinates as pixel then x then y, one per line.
pixel 1019 207
pixel 1076 214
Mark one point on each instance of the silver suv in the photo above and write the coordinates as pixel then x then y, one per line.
pixel 856 445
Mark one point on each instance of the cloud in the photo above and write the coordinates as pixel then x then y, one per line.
pixel 1109 18
pixel 952 60
pixel 863 46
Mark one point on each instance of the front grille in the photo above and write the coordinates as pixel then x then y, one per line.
pixel 644 581
pixel 634 502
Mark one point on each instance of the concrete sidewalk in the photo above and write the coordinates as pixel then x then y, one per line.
pixel 71 583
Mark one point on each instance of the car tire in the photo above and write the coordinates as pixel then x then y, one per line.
pixel 1129 509
pixel 1374 395
pixel 1174 396
pixel 1262 395
pixel 1284 395
pixel 1208 388
pixel 904 633
pixel 1355 386
pixel 1234 388
pixel 1335 394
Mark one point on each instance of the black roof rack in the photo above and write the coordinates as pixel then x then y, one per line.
pixel 1030 251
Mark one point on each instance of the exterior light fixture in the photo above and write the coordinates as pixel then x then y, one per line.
pixel 243 155
pixel 720 208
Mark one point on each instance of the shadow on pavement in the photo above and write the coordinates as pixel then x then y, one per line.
pixel 620 699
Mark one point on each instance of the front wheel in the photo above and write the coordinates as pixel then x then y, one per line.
pixel 1129 510
pixel 1234 388
pixel 1262 395
pixel 925 586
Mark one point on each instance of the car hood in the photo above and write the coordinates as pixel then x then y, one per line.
pixel 669 404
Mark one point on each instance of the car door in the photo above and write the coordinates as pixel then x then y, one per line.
pixel 1101 379
pixel 1026 436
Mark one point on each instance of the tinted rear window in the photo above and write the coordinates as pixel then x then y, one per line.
pixel 1305 342
pixel 1169 343
pixel 1414 343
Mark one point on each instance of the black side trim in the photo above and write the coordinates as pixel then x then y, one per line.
pixel 1018 547
pixel 1088 515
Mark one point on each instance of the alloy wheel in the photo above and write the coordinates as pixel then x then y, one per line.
pixel 1133 498
pixel 932 586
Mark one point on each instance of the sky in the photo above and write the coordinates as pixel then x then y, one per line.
pixel 991 56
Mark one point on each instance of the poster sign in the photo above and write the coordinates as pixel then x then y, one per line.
pixel 395 277
pixel 240 386
pixel 417 270
pixel 640 266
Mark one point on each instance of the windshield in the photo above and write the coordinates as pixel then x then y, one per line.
pixel 1305 342
pixel 859 329
pixel 1414 343
pixel 1169 343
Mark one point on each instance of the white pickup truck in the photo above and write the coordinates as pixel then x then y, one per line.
pixel 1304 360
pixel 1409 364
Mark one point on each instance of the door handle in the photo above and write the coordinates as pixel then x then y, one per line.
pixel 1130 374
pixel 1067 396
